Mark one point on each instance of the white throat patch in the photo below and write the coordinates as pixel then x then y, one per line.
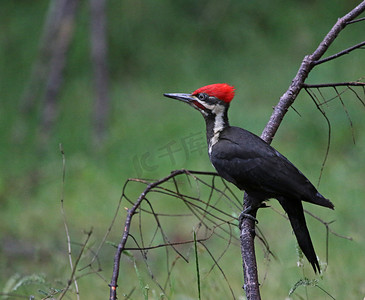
pixel 218 125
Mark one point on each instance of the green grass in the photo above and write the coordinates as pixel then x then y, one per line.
pixel 174 47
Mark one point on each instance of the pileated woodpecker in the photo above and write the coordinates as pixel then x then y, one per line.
pixel 251 164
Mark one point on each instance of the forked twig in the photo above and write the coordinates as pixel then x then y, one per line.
pixel 114 282
pixel 72 276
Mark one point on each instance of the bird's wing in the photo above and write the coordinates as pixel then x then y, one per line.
pixel 251 163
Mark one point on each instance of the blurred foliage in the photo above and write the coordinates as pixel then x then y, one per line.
pixel 175 46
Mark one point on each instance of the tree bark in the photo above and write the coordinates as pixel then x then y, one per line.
pixel 99 51
pixel 247 238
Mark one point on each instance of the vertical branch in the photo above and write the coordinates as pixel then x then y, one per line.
pixel 65 223
pixel 247 237
pixel 287 99
pixel 99 60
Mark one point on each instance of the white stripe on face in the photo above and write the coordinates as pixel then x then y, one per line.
pixel 218 111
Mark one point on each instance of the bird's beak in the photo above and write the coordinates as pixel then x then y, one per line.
pixel 188 98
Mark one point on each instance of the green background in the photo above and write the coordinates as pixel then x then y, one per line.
pixel 176 46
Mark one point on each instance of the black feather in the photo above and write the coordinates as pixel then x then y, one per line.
pixel 252 165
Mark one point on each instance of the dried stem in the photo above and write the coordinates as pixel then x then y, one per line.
pixel 114 282
pixel 72 276
pixel 66 227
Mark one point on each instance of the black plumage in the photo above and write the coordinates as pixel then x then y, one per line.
pixel 251 164
pixel 256 167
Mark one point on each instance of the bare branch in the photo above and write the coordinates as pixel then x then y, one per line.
pixel 347 114
pixel 355 21
pixel 324 85
pixel 72 276
pixel 307 65
pixel 251 280
pixel 357 95
pixel 114 282
pixel 339 54
pixel 286 100
pixel 212 218
pixel 220 269
pixel 327 224
pixel 318 105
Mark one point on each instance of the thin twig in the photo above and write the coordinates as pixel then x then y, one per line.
pixel 339 54
pixel 220 269
pixel 72 276
pixel 307 65
pixel 197 265
pixel 107 231
pixel 324 85
pixel 318 105
pixel 114 281
pixel 348 116
pixel 327 226
pixel 357 96
pixel 64 219
pixel 355 21
pixel 204 211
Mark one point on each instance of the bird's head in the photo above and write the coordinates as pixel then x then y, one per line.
pixel 209 99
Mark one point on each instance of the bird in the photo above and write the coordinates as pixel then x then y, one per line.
pixel 244 159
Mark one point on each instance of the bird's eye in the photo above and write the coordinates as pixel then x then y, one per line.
pixel 202 96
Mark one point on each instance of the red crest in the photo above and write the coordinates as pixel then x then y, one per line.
pixel 222 91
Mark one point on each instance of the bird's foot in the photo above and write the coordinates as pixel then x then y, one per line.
pixel 246 214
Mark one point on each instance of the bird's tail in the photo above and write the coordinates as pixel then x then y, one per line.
pixel 320 200
pixel 295 212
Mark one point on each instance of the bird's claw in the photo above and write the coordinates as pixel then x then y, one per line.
pixel 247 215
